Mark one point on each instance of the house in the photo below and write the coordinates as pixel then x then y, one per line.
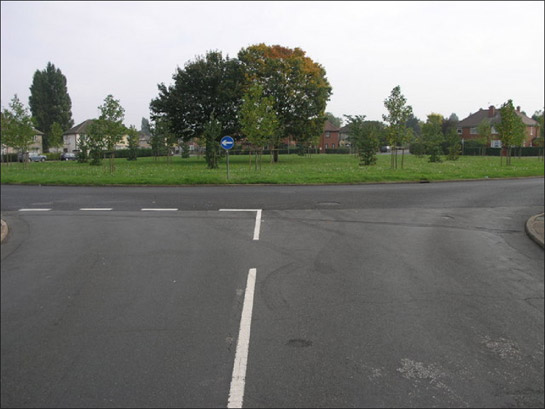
pixel 467 128
pixel 71 137
pixel 36 146
pixel 143 140
pixel 344 136
pixel 330 138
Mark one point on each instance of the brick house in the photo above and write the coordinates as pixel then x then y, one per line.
pixel 330 138
pixel 467 128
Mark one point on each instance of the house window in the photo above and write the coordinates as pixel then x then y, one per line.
pixel 473 131
pixel 459 130
pixel 332 146
pixel 326 146
pixel 532 131
pixel 327 134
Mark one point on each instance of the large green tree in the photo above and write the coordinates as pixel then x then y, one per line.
pixel 49 101
pixel 396 119
pixel 297 84
pixel 209 86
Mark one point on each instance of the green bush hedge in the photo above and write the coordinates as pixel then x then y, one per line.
pixel 527 151
pixel 53 155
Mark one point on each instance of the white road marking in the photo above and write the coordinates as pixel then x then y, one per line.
pixel 257 227
pixel 238 380
pixel 158 210
pixel 96 208
pixel 34 210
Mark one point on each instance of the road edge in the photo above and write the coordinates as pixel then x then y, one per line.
pixel 4 230
pixel 531 231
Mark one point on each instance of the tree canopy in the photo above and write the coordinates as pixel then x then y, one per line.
pixel 49 101
pixel 298 85
pixel 209 86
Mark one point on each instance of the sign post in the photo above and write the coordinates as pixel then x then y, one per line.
pixel 227 143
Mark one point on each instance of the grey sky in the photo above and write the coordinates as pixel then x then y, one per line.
pixel 448 57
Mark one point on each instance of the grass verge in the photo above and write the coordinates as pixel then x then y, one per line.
pixel 291 169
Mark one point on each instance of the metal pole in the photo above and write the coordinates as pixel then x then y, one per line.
pixel 227 165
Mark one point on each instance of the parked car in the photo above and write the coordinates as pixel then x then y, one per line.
pixel 68 156
pixel 385 149
pixel 32 156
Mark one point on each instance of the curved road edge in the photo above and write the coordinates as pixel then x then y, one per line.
pixel 534 229
pixel 4 230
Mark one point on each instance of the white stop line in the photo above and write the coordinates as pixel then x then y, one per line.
pixel 257 227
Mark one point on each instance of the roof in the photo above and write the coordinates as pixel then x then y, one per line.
pixel 329 127
pixel 475 119
pixel 80 128
pixel 38 132
pixel 345 129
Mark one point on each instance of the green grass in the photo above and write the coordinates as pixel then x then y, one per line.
pixel 291 169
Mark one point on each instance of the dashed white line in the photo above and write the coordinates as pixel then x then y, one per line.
pixel 158 210
pixel 100 209
pixel 34 210
pixel 238 380
pixel 257 227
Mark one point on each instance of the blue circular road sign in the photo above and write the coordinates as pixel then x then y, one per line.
pixel 227 142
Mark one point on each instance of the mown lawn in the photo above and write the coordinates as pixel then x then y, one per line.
pixel 291 169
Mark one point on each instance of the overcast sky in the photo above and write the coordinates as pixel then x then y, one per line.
pixel 448 57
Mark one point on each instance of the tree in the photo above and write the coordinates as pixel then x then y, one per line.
pixel 365 136
pixel 338 122
pixel 432 136
pixel 157 140
pixel 145 127
pixel 484 129
pixel 414 124
pixel 210 85
pixel 18 127
pixel 107 130
pixel 49 101
pixel 297 84
pixel 211 135
pixel 510 128
pixel 55 135
pixel 7 134
pixel 538 116
pixel 398 115
pixel 133 139
pixel 258 120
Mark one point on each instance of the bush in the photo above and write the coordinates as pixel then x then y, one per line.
pixel 338 150
pixel 53 155
pixel 417 148
pixel 9 157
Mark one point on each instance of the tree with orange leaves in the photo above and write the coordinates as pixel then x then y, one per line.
pixel 298 87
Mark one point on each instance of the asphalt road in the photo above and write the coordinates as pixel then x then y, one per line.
pixel 393 295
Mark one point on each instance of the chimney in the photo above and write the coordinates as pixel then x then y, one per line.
pixel 491 111
pixel 518 109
